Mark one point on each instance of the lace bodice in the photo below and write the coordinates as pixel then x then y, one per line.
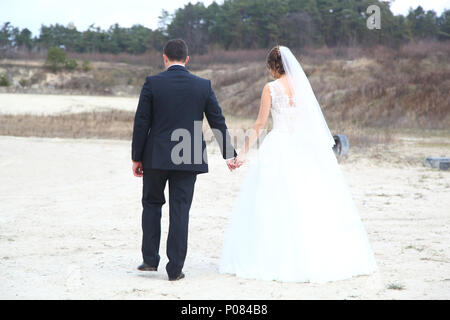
pixel 284 108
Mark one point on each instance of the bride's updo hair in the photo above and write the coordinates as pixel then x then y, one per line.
pixel 274 62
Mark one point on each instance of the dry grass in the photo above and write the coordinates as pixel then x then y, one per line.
pixel 198 62
pixel 364 137
pixel 374 87
pixel 367 87
pixel 113 124
pixel 404 88
pixel 116 124
pixel 151 59
pixel 395 286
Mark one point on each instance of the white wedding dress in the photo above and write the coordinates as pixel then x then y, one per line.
pixel 294 219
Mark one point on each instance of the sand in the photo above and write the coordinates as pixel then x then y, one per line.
pixel 70 226
pixel 42 104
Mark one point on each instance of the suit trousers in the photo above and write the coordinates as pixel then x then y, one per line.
pixel 181 191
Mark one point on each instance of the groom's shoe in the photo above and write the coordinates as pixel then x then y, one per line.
pixel 146 267
pixel 179 277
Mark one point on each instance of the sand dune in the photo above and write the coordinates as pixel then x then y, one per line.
pixel 70 227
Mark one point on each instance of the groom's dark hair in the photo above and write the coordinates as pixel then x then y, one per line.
pixel 176 50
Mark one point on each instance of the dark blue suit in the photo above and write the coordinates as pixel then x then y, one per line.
pixel 169 102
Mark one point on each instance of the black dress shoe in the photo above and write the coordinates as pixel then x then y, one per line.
pixel 146 267
pixel 180 276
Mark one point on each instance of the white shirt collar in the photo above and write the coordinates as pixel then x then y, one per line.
pixel 177 64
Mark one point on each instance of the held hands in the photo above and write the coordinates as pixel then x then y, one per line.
pixel 236 162
pixel 137 168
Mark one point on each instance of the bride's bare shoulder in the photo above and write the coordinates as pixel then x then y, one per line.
pixel 267 88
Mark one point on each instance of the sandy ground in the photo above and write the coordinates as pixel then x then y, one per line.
pixel 42 104
pixel 70 226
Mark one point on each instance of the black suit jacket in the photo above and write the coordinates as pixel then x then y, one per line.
pixel 171 100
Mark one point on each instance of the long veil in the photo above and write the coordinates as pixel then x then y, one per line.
pixel 305 101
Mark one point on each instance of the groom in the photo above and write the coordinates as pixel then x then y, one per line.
pixel 173 101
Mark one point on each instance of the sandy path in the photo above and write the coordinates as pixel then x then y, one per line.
pixel 70 228
pixel 41 104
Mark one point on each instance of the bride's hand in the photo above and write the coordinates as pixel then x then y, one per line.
pixel 240 159
pixel 236 162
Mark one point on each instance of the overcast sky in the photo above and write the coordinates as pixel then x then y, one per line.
pixel 32 13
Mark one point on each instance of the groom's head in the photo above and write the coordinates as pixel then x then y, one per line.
pixel 175 51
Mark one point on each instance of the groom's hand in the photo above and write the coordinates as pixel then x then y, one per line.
pixel 138 170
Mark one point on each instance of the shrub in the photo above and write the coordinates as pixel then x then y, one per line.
pixel 71 64
pixel 86 65
pixel 395 286
pixel 56 59
pixel 4 81
pixel 23 82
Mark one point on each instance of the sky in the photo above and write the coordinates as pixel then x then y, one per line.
pixel 104 13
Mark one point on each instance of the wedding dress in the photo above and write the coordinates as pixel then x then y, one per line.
pixel 295 219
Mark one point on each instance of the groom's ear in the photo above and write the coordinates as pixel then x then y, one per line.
pixel 187 60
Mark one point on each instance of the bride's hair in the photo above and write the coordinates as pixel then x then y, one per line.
pixel 273 61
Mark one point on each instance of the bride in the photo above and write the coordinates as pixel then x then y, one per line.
pixel 294 219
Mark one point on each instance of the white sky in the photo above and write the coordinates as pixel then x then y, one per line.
pixel 402 6
pixel 32 13
pixel 104 13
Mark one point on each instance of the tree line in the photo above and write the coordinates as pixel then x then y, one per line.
pixel 244 24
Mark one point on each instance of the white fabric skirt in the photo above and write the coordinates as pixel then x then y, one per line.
pixel 295 219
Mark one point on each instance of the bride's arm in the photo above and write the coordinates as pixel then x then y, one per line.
pixel 260 123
